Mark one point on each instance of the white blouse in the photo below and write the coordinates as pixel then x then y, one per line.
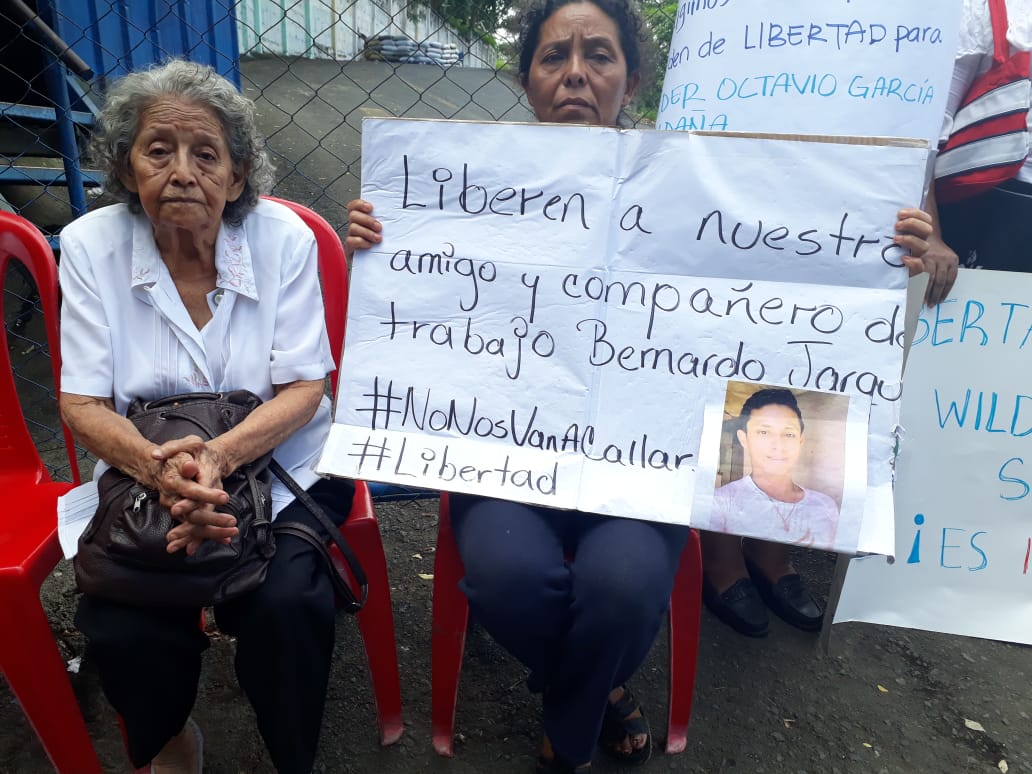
pixel 976 31
pixel 125 332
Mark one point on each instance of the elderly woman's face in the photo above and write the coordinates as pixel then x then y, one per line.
pixel 180 166
pixel 578 74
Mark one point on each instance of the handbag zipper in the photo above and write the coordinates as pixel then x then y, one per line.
pixel 95 523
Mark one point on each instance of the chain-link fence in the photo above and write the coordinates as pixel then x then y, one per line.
pixel 315 69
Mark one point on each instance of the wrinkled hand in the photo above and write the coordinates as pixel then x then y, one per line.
pixel 363 229
pixel 193 469
pixel 191 477
pixel 189 537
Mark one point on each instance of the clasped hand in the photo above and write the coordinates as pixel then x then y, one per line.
pixel 188 478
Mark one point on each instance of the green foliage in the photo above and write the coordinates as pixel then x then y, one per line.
pixel 660 16
pixel 476 18
pixel 482 18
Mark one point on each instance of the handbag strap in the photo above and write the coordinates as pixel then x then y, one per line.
pixel 998 18
pixel 185 397
pixel 207 432
pixel 340 583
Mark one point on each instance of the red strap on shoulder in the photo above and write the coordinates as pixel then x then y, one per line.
pixel 998 17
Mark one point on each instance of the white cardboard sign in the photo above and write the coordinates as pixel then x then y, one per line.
pixel 551 326
pixel 873 67
pixel 964 532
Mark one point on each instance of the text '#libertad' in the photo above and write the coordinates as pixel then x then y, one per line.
pixel 375 456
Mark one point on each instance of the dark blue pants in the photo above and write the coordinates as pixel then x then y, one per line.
pixel 582 625
pixel 149 659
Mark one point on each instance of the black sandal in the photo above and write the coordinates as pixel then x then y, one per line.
pixel 617 726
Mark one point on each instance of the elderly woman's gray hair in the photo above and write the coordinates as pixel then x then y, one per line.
pixel 130 96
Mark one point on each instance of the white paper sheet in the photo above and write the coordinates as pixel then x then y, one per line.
pixel 964 476
pixel 549 327
pixel 75 508
pixel 878 67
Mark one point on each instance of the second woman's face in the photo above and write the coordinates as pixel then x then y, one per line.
pixel 578 74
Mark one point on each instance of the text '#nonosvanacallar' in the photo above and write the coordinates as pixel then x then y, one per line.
pixel 391 408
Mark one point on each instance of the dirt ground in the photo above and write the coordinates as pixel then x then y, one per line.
pixel 883 700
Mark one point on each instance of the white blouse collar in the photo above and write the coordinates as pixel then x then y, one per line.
pixel 232 258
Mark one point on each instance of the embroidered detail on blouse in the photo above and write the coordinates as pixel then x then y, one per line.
pixel 144 268
pixel 197 380
pixel 234 263
pixel 141 274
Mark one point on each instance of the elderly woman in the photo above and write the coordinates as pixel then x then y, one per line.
pixel 194 285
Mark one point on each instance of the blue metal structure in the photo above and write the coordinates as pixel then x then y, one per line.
pixel 116 36
pixel 69 51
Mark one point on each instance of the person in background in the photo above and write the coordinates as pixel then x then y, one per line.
pixel 992 230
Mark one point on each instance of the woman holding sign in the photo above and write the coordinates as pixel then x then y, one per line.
pixel 576 597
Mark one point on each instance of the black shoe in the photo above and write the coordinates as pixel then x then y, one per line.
pixel 740 607
pixel 789 598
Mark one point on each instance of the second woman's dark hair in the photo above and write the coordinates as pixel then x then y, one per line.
pixel 634 36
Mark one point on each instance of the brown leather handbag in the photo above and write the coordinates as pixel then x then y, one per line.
pixel 122 554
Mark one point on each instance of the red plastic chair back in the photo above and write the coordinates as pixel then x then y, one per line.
pixel 376 619
pixel 29 549
pixel 333 273
pixel 20 463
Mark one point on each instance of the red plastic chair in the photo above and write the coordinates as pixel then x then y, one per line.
pixel 29 548
pixel 451 615
pixel 376 621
